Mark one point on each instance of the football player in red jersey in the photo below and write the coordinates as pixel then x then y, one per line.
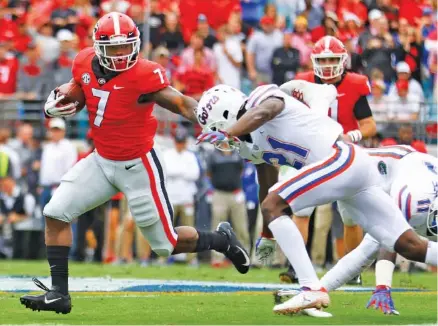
pixel 120 90
pixel 351 109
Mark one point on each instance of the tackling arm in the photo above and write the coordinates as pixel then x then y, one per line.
pixel 174 101
pixel 256 117
pixel 267 176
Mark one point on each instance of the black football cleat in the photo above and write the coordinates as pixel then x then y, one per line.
pixel 357 280
pixel 235 252
pixel 289 276
pixel 52 300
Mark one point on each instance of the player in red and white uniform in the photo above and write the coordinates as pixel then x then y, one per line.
pixel 120 90
pixel 350 109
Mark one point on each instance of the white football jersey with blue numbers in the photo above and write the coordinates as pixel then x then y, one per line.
pixel 296 137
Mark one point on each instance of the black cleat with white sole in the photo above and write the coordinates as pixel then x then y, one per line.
pixel 52 300
pixel 235 252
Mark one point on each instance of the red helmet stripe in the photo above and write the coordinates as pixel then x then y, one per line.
pixel 116 23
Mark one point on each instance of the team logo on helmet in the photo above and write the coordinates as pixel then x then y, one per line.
pixel 86 78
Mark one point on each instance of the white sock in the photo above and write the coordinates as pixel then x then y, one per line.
pixel 351 264
pixel 432 253
pixel 291 242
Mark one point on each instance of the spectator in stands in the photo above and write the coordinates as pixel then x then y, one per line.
pixel 18 208
pixel 290 9
pixel 67 54
pixel 378 101
pixel 404 73
pixel 161 55
pixel 46 42
pixel 23 145
pixel 205 31
pixel 188 55
pixel 260 48
pixel 58 156
pixel 64 17
pixel 406 137
pixel 32 76
pixel 182 173
pixel 329 26
pixel 351 29
pixel 156 23
pixel 377 56
pixel 172 37
pixel 229 57
pixel 14 159
pixel 8 72
pixel 410 50
pixel 403 106
pixel 302 41
pixel 237 27
pixel 225 170
pixel 313 13
pixel 372 30
pixel 195 79
pixel 285 61
pixel 22 38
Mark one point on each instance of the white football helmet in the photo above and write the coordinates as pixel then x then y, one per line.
pixel 218 107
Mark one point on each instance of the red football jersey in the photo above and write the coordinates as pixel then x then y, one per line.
pixel 122 128
pixel 8 75
pixel 350 89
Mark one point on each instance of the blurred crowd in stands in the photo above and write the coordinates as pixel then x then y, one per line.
pixel 200 43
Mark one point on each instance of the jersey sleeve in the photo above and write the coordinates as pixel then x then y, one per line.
pixel 262 93
pixel 78 61
pixel 153 78
pixel 363 85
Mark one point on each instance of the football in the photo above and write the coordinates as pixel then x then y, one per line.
pixel 73 94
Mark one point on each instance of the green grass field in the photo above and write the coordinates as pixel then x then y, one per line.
pixel 136 308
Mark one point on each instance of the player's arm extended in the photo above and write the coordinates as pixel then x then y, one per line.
pixel 174 101
pixel 256 117
pixel 267 176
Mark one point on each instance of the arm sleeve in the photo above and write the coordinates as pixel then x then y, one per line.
pixel 362 109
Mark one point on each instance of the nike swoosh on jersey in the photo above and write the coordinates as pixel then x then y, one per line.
pixel 340 95
pixel 118 87
pixel 51 301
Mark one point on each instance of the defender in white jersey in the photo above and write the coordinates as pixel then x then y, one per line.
pixel 411 178
pixel 281 130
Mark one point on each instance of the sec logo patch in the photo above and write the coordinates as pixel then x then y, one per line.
pixel 86 78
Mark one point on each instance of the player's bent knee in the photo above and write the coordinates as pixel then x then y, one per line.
pixel 273 206
pixel 57 213
pixel 411 246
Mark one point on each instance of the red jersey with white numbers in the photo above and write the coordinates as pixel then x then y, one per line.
pixel 351 89
pixel 123 129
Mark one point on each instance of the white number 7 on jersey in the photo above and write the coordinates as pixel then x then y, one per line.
pixel 101 106
pixel 158 71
